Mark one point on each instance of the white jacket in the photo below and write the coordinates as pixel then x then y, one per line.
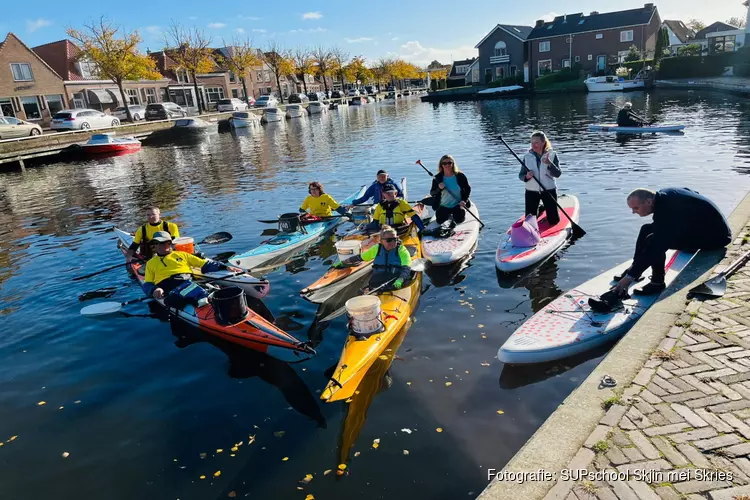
pixel 546 174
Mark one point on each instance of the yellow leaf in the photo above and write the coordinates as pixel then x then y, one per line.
pixel 217 473
pixel 349 400
pixel 408 383
pixel 481 326
pixel 500 412
pixel 279 434
pixel 484 363
pixel 65 454
pixel 383 356
pixel 300 488
pixel 203 477
pixel 232 455
pixel 2 444
pixel 326 472
pixel 285 459
pixel 448 384
pixel 439 429
pixel 219 450
pixel 484 336
pixel 41 403
pixel 406 452
pixel 342 466
pixel 250 439
pixel 430 380
pixel 234 448
pixel 309 497
pixel 307 478
pixel 356 454
pixel 13 438
pixel 232 494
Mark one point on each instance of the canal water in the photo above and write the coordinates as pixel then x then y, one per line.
pixel 127 407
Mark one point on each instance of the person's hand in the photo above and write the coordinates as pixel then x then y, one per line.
pixel 235 269
pixel 158 294
pixel 622 286
pixel 441 185
pixel 545 159
pixel 419 205
pixel 398 284
pixel 529 175
pixel 462 204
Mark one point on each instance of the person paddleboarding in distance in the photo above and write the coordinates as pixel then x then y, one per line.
pixel 626 117
pixel 541 162
pixel 683 220
pixel 449 194
pixel 376 190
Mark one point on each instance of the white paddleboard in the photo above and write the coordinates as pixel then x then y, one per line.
pixel 442 251
pixel 613 127
pixel 509 258
pixel 568 326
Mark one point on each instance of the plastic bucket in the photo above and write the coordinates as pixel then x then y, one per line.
pixel 229 305
pixel 184 245
pixel 364 313
pixel 348 248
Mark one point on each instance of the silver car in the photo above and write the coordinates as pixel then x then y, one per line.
pixel 137 111
pixel 82 119
pixel 13 127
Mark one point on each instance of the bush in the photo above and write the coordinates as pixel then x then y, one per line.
pixel 692 67
pixel 634 66
pixel 516 79
pixel 564 75
pixel 693 49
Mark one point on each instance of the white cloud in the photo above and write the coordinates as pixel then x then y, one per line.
pixel 358 40
pixel 549 16
pixel 217 25
pixel 414 52
pixel 248 18
pixel 311 30
pixel 394 38
pixel 312 15
pixel 36 24
pixel 259 30
pixel 240 30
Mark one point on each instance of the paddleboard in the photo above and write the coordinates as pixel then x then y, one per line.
pixel 509 258
pixel 613 127
pixel 568 326
pixel 442 251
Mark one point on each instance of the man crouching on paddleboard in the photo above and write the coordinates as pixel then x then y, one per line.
pixel 683 220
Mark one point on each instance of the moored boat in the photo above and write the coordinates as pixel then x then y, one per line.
pixel 295 111
pixel 106 143
pixel 612 84
pixel 244 119
pixel 271 115
pixel 317 107
pixel 192 124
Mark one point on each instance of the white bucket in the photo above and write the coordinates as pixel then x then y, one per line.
pixel 364 312
pixel 348 248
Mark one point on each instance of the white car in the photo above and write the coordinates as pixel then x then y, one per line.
pixel 233 104
pixel 352 93
pixel 82 119
pixel 266 101
pixel 136 110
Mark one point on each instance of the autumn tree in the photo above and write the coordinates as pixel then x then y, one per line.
pixel 304 64
pixel 240 58
pixel 323 61
pixel 357 71
pixel 403 70
pixel 382 70
pixel 339 60
pixel 189 48
pixel 115 54
pixel 278 59
pixel 695 25
pixel 737 22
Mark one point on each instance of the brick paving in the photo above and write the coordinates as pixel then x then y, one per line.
pixel 681 429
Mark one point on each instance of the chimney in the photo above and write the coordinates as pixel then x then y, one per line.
pixel 539 23
pixel 649 6
pixel 593 13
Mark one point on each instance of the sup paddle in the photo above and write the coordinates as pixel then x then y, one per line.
pixel 419 162
pixel 577 230
pixel 717 286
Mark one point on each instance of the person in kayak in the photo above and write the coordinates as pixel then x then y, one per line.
pixel 393 212
pixel 541 162
pixel 376 190
pixel 449 194
pixel 143 237
pixel 683 220
pixel 319 203
pixel 169 274
pixel 391 260
pixel 626 117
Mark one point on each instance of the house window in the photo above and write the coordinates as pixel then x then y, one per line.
pixel 267 75
pixel 6 107
pixel 599 36
pixel 259 76
pixel 78 101
pixel 722 44
pixel 544 46
pixel 31 108
pixel 235 93
pixel 578 59
pixel 150 95
pixel 500 49
pixel 232 78
pixel 132 96
pixel 499 72
pixel 544 67
pixel 566 63
pixel 591 57
pixel 214 94
pixel 626 36
pixel 475 75
pixel 54 103
pixel 621 55
pixel 22 72
pixel 182 76
pixel 487 75
pixel 513 70
pixel 87 69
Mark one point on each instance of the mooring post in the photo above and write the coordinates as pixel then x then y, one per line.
pixel 23 167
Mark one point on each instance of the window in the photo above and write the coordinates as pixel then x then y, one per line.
pixel 599 36
pixel 31 108
pixel 591 57
pixel 87 69
pixel 487 75
pixel 566 63
pixel 22 72
pixel 500 49
pixel 235 93
pixel 6 107
pixel 54 103
pixel 544 46
pixel 475 75
pixel 621 55
pixel 132 95
pixel 182 76
pixel 582 21
pixel 267 76
pixel 544 67
pixel 722 44
pixel 626 36
pixel 232 78
pixel 578 59
pixel 260 76
pixel 499 72
pixel 513 70
pixel 78 101
pixel 213 94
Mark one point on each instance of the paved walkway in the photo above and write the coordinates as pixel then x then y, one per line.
pixel 681 430
pixel 736 84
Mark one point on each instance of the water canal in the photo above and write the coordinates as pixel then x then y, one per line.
pixel 143 413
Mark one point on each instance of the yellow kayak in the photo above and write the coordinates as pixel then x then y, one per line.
pixel 358 355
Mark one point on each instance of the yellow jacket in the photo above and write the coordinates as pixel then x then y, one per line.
pixel 160 268
pixel 150 230
pixel 395 217
pixel 320 206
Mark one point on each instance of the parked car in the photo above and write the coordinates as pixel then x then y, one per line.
pixel 352 93
pixel 136 110
pixel 337 94
pixel 233 104
pixel 13 127
pixel 82 119
pixel 164 111
pixel 371 90
pixel 298 99
pixel 266 101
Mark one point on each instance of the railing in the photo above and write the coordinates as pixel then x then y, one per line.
pixel 499 59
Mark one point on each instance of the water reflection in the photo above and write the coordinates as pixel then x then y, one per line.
pixel 539 280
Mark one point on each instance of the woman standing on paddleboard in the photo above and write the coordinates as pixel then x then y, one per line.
pixel 542 163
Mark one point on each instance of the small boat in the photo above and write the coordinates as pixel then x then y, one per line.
pixel 613 127
pixel 317 107
pixel 509 258
pixel 568 326
pixel 359 100
pixel 106 143
pixel 271 115
pixel 612 84
pixel 191 123
pixel 443 251
pixel 243 119
pixel 295 111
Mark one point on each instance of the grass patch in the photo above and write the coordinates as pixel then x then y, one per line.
pixel 601 447
pixel 589 487
pixel 664 355
pixel 610 402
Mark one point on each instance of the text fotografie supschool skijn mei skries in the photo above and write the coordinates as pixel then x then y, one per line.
pixel 652 476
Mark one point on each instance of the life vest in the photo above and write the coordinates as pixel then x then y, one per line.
pixel 147 246
pixel 390 261
pixel 393 213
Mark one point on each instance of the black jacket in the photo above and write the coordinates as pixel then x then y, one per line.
pixel 463 184
pixel 625 118
pixel 684 220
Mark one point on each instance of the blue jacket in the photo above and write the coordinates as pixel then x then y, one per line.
pixel 375 191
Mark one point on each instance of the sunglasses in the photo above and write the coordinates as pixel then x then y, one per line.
pixel 390 240
pixel 446 163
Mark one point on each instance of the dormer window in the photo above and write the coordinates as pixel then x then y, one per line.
pixel 182 76
pixel 87 69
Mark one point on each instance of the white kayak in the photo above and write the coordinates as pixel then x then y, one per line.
pixel 613 127
pixel 509 258
pixel 442 251
pixel 568 326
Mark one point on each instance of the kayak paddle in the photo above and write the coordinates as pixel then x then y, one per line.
pixel 419 162
pixel 79 278
pixel 216 238
pixel 303 221
pixel 717 286
pixel 577 230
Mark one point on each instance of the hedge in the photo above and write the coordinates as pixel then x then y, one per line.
pixel 565 75
pixel 697 66
pixel 516 79
pixel 635 66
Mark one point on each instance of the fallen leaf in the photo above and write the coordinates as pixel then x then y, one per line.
pixel 203 477
pixel 12 438
pixel 500 412
pixel 375 443
pixel 232 494
pixel 408 431
pixel 481 326
pixel 232 455
pixel 219 450
pixel 255 426
pixel 448 384
pixel 234 448
pixel 217 473
pixel 484 336
pixel 78 401
pixel 467 371
pixel 41 403
pixel 65 454
pixel 61 408
pixel 430 380
pixel 349 400
pixel 356 453
pixel 484 363
pixel 408 383
pixel 203 455
pixel 439 429
pixel 307 478
pixel 250 440
pixel 326 472
pixel 279 434
pixel 2 444
pixel 309 497
pixel 300 488
pixel 342 466
pixel 406 452
pixel 285 459
pixel 383 356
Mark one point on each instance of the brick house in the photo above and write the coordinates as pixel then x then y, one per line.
pixel 29 88
pixel 85 89
pixel 594 41
pixel 501 52
pixel 679 34
pixel 457 73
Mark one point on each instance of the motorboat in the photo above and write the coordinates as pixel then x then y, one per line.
pixel 317 107
pixel 295 111
pixel 106 143
pixel 192 123
pixel 271 114
pixel 613 84
pixel 243 119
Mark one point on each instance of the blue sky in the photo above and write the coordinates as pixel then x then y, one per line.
pixel 416 31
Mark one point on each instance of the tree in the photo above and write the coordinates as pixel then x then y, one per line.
pixel 339 60
pixel 278 59
pixel 693 49
pixel 662 42
pixel 240 58
pixel 633 54
pixel 189 48
pixel 357 71
pixel 382 71
pixel 736 21
pixel 323 61
pixel 115 54
pixel 695 25
pixel 304 64
pixel 403 70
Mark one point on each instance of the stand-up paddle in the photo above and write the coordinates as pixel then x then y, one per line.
pixel 419 162
pixel 717 286
pixel 577 230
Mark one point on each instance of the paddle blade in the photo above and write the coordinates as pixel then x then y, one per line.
pixel 420 265
pixel 715 287
pixel 224 256
pixel 216 238
pixel 101 309
pixel 578 231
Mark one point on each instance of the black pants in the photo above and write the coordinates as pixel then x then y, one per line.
pixel 456 213
pixel 550 207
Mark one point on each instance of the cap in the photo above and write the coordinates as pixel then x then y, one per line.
pixel 381 172
pixel 390 187
pixel 162 236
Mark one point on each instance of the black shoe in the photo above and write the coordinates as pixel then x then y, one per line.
pixel 618 277
pixel 650 288
pixel 607 302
